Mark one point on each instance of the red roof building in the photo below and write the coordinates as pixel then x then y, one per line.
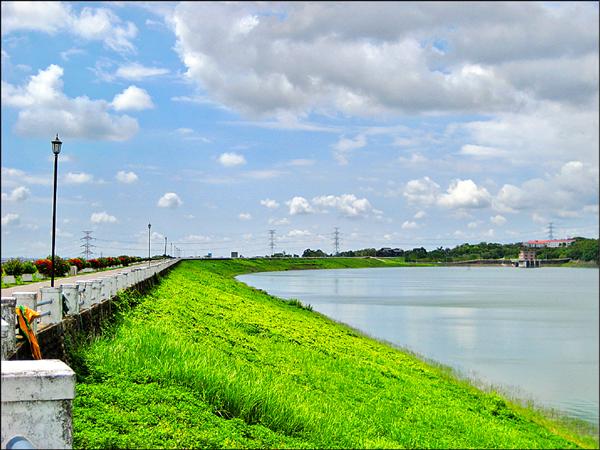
pixel 552 243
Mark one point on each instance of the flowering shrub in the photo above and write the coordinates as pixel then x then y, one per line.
pixel 112 261
pixel 29 267
pixel 44 266
pixel 95 263
pixel 124 260
pixel 76 262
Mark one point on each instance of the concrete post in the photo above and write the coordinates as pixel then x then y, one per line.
pixel 104 289
pixel 50 302
pixel 119 281
pixel 85 293
pixel 5 340
pixel 9 341
pixel 28 299
pixel 96 291
pixel 36 402
pixel 71 294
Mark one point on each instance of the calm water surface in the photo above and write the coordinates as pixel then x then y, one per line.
pixel 531 332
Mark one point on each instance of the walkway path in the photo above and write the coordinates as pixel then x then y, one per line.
pixel 35 287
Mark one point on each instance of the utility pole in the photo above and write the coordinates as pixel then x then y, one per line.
pixel 272 240
pixel 172 254
pixel 86 245
pixel 550 231
pixel 336 241
pixel 165 246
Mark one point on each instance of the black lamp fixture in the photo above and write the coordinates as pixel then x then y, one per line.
pixel 56 145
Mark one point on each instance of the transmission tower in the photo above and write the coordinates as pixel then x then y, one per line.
pixel 550 231
pixel 86 244
pixel 336 241
pixel 272 240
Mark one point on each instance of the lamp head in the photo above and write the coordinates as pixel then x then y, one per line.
pixel 56 144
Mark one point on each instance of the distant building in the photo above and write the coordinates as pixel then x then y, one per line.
pixel 527 258
pixel 552 243
pixel 234 254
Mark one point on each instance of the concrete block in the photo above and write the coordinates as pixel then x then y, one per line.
pixel 27 277
pixel 50 306
pixel 9 279
pixel 96 288
pixel 70 294
pixel 72 270
pixel 84 288
pixel 26 299
pixel 9 342
pixel 36 402
pixel 104 289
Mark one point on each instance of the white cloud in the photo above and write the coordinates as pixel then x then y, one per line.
pixel 137 72
pixel 481 151
pixel 268 203
pixel 196 238
pixel 465 194
pixel 301 162
pixel 422 192
pixel 94 24
pixel 44 108
pixel 132 98
pixel 18 194
pixel 283 221
pixel 420 215
pixel 344 146
pixel 102 217
pixel 10 218
pixel 474 224
pixel 13 177
pixel 78 178
pixel 498 220
pixel 299 205
pixel 170 200
pixel 409 225
pixel 232 159
pixel 126 177
pixel 347 204
pixel 298 233
pixel 244 216
pixel 387 56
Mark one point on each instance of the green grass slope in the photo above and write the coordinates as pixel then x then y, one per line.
pixel 206 361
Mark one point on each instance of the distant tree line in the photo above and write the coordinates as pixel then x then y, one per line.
pixel 582 249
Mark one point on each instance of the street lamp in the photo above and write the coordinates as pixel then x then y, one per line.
pixel 149 244
pixel 56 144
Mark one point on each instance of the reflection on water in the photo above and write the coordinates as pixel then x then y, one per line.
pixel 533 332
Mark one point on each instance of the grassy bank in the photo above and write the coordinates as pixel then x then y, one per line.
pixel 206 361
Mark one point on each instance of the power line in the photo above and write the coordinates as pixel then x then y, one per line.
pixel 86 245
pixel 272 240
pixel 550 231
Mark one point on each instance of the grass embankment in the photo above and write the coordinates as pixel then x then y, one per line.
pixel 206 361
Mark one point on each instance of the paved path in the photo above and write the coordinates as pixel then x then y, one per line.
pixel 35 287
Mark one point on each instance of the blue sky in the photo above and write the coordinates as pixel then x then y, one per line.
pixel 402 124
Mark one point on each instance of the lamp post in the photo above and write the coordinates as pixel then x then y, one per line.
pixel 56 144
pixel 165 246
pixel 149 244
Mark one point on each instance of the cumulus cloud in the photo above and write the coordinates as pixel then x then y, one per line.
pixel 18 194
pixel 420 214
pixel 409 225
pixel 13 177
pixel 344 146
pixel 102 217
pixel 422 192
pixel 244 216
pixel 44 108
pixel 10 218
pixel 92 24
pixel 132 98
pixel 137 72
pixel 232 159
pixel 197 238
pixel 78 178
pixel 169 200
pixel 465 194
pixel 268 203
pixel 298 233
pixel 299 205
pixel 126 177
pixel 282 221
pixel 347 204
pixel 498 220
pixel 390 57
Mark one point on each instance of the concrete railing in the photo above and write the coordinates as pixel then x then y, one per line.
pixel 37 395
pixel 55 303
